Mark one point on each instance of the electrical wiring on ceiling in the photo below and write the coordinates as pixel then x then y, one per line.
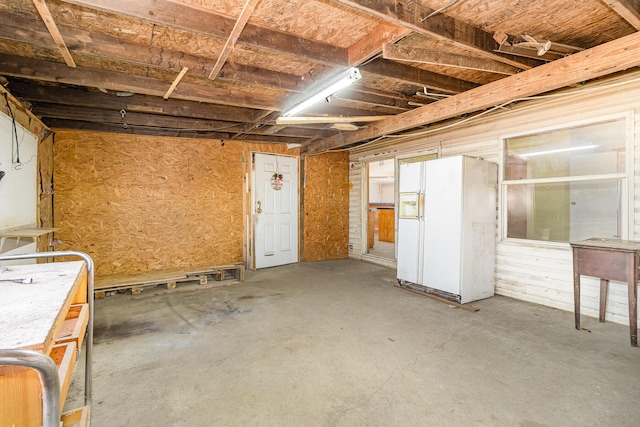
pixel 442 9
pixel 15 143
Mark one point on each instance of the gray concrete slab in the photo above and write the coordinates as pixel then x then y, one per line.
pixel 336 344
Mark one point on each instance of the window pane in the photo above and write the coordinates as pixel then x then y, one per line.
pixel 564 212
pixel 586 150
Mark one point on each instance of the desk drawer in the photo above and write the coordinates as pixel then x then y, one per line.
pixel 76 418
pixel 74 325
pixel 64 355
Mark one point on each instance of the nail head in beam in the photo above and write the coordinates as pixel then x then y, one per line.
pixel 175 82
pixel 44 12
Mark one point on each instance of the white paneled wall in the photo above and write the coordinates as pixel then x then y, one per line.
pixel 357 185
pixel 539 272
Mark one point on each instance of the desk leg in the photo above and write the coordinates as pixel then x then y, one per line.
pixel 632 275
pixel 603 298
pixel 633 312
pixel 576 289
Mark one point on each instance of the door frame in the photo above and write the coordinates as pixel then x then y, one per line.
pixel 250 206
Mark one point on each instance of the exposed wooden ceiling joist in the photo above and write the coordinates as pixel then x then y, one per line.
pixel 154 121
pixel 628 9
pixel 175 82
pixel 100 45
pixel 371 45
pixel 617 55
pixel 417 76
pixel 139 103
pixel 447 59
pixel 206 21
pixel 245 14
pixel 409 14
pixel 52 72
pixel 179 133
pixel 49 22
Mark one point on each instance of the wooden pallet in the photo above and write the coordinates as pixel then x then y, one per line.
pixel 170 279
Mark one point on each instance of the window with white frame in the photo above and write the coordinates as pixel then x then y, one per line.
pixel 567 185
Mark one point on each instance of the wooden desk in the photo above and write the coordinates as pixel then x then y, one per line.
pixel 49 315
pixel 608 259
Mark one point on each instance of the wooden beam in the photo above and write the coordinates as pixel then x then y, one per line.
pixel 96 44
pixel 100 45
pixel 45 14
pixel 113 116
pixel 58 100
pixel 245 14
pixel 409 15
pixel 602 60
pixel 17 103
pixel 34 93
pixel 54 72
pixel 50 112
pixel 371 44
pixel 175 83
pixel 205 21
pixel 177 133
pixel 628 9
pixel 417 76
pixel 436 57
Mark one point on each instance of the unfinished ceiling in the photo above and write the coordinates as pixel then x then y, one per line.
pixel 226 69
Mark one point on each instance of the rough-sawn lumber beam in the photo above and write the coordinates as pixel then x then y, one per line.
pixel 437 57
pixel 208 22
pixel 628 9
pixel 599 61
pixel 409 15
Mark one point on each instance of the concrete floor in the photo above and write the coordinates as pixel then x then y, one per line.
pixel 383 249
pixel 336 344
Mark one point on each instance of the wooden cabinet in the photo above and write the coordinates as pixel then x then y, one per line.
pixel 48 313
pixel 371 228
pixel 386 225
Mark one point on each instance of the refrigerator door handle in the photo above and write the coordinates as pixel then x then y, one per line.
pixel 421 205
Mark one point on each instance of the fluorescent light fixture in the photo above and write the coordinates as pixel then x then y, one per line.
pixel 340 82
pixel 559 150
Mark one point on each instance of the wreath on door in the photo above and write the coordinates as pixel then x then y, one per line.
pixel 276 181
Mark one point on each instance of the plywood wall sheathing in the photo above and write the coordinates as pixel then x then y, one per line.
pixel 45 191
pixel 326 206
pixel 138 203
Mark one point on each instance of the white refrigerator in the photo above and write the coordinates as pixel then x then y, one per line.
pixel 447 226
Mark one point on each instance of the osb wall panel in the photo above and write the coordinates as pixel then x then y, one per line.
pixel 326 206
pixel 45 190
pixel 139 203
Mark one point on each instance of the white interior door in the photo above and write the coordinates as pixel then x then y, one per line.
pixel 275 211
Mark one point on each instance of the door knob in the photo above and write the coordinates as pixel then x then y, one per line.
pixel 259 209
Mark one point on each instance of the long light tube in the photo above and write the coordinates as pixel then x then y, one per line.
pixel 340 82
